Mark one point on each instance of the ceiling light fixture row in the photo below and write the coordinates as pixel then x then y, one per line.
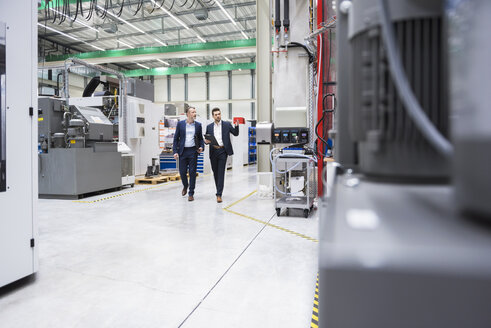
pixel 232 20
pixel 141 65
pixel 69 36
pixel 195 63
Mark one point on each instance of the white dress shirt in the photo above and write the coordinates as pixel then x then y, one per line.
pixel 217 132
pixel 190 132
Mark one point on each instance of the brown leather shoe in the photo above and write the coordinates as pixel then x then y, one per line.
pixel 219 199
pixel 190 198
pixel 184 191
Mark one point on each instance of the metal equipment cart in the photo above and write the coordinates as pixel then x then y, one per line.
pixel 294 182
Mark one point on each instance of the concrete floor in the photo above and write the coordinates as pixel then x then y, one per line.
pixel 153 259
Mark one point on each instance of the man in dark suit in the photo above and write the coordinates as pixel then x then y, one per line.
pixel 188 143
pixel 218 153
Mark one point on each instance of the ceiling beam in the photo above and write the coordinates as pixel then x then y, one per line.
pixel 177 51
pixel 188 70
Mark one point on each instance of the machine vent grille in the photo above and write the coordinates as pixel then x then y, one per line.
pixel 127 165
pixel 390 144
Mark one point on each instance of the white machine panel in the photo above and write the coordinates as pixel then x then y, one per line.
pixel 143 138
pixel 18 202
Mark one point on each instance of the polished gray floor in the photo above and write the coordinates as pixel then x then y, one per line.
pixel 152 259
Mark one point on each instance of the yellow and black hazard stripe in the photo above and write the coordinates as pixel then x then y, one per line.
pixel 315 312
pixel 131 192
pixel 122 194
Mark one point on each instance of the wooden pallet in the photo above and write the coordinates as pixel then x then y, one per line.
pixel 174 177
pixel 152 180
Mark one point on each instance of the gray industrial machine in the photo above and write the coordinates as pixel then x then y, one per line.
pixel 77 155
pixel 390 144
pixel 395 251
pixel 399 255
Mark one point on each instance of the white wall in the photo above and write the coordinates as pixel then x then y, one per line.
pixel 160 83
pixel 196 87
pixel 241 92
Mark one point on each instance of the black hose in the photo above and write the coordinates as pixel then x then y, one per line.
pixel 277 10
pixel 298 44
pixel 286 15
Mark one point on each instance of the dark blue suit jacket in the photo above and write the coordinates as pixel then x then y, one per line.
pixel 180 137
pixel 227 129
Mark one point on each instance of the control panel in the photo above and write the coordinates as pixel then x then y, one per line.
pixel 290 135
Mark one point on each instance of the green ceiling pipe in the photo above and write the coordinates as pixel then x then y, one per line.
pixel 157 50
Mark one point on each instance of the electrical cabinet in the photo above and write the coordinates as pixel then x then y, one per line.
pixel 18 137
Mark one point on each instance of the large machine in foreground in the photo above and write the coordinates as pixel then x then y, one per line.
pixel 396 249
pixel 78 155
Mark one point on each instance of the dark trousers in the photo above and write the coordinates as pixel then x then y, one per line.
pixel 188 160
pixel 218 158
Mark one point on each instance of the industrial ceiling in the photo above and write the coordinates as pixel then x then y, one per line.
pixel 148 34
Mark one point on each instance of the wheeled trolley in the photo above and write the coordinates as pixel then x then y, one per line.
pixel 294 182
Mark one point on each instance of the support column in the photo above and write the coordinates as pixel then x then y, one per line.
pixel 263 74
pixel 229 73
pixel 253 94
pixel 207 78
pixel 168 88
pixel 186 87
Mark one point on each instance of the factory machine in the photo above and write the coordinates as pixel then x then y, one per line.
pixel 77 152
pixel 405 239
pixel 293 167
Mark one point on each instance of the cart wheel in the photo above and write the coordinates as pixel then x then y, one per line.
pixel 278 210
pixel 306 213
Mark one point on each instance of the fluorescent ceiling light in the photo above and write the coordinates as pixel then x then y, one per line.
pixel 98 48
pixel 122 20
pixel 162 43
pixel 231 19
pixel 69 36
pixel 59 32
pixel 231 62
pixel 226 12
pixel 195 63
pixel 163 62
pixel 161 7
pixel 143 66
pixel 76 21
pixel 200 38
pixel 125 44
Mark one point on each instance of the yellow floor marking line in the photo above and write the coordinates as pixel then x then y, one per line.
pixel 132 192
pixel 227 208
pixel 315 309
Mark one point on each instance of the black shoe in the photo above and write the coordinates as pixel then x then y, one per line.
pixel 184 191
